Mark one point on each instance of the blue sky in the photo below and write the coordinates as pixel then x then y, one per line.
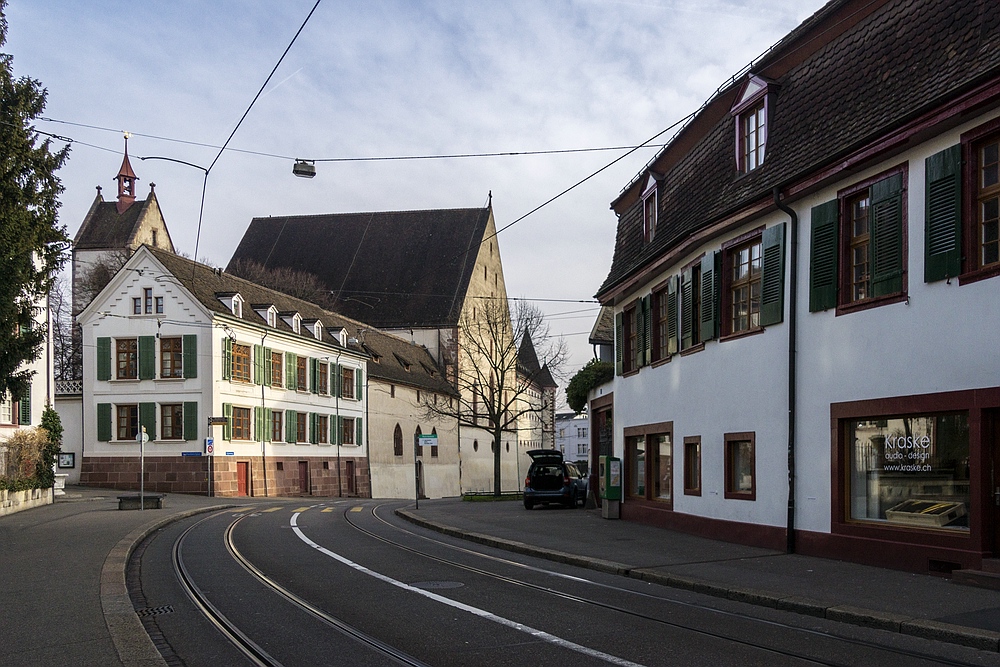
pixel 383 78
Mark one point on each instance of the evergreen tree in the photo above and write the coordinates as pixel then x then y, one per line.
pixel 31 243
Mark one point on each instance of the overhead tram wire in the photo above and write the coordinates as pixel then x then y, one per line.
pixel 370 158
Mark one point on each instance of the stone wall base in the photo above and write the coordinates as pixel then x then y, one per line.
pixel 283 475
pixel 17 501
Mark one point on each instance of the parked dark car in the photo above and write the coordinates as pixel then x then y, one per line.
pixel 550 479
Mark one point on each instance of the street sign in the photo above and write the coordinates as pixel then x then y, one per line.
pixel 209 446
pixel 217 421
pixel 427 441
pixel 142 437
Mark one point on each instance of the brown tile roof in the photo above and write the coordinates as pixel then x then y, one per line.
pixel 391 268
pixel 104 227
pixel 603 332
pixel 903 59
pixel 207 284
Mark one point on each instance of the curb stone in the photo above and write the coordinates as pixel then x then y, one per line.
pixel 977 638
pixel 134 647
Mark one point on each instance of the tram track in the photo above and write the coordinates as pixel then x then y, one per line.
pixel 245 644
pixel 819 634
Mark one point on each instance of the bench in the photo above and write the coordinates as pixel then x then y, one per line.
pixel 149 501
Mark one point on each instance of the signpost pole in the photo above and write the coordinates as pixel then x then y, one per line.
pixel 141 437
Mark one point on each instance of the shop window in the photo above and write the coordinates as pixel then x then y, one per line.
pixel 171 358
pixel 692 465
pixel 909 471
pixel 649 461
pixel 741 483
pixel 857 253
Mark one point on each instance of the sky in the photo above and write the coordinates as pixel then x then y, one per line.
pixel 385 78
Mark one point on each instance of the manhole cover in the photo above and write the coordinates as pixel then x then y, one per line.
pixel 437 585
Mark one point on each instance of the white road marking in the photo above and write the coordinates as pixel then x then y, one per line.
pixel 538 634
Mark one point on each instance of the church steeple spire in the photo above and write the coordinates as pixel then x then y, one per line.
pixel 126 182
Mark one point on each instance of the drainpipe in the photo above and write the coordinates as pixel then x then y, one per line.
pixel 793 254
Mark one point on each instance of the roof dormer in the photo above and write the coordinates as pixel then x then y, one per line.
pixel 267 312
pixel 315 328
pixel 232 301
pixel 292 319
pixel 751 110
pixel 650 206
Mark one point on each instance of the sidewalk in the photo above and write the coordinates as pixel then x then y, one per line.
pixel 63 578
pixel 911 604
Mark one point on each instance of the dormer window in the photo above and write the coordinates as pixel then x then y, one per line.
pixel 649 209
pixel 267 312
pixel 233 301
pixel 315 327
pixel 292 319
pixel 751 112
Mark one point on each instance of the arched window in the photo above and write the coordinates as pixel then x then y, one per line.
pixel 416 439
pixel 434 449
pixel 397 441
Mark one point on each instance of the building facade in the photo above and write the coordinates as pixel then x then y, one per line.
pixel 799 343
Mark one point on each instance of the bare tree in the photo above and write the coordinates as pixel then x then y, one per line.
pixel 300 284
pixel 68 360
pixel 493 393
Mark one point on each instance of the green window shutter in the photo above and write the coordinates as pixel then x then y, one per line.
pixel 227 428
pixel 258 421
pixel 190 420
pixel 672 315
pixel 710 295
pixel 258 364
pixel 312 428
pixel 104 359
pixel 24 403
pixel 359 439
pixel 338 378
pixel 147 418
pixel 943 217
pixel 687 309
pixel 147 357
pixel 824 256
pixel 887 236
pixel 268 366
pixel 268 418
pixel 227 358
pixel 359 384
pixel 291 369
pixel 646 348
pixel 291 425
pixel 190 352
pixel 104 422
pixel 313 375
pixel 340 430
pixel 772 282
pixel 619 342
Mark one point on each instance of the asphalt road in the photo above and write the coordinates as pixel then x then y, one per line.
pixel 372 584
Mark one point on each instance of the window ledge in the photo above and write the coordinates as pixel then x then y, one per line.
pixel 630 372
pixel 978 274
pixel 741 495
pixel 691 350
pixel 661 362
pixel 742 334
pixel 873 302
pixel 692 492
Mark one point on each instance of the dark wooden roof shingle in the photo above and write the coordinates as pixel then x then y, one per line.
pixel 391 269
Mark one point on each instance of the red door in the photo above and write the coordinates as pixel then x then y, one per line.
pixel 304 477
pixel 242 478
